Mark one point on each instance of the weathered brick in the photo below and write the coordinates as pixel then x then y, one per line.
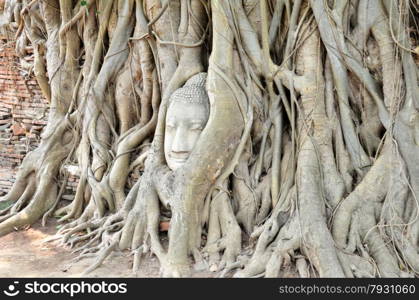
pixel 21 101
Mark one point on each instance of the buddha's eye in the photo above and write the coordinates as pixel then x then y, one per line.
pixel 196 128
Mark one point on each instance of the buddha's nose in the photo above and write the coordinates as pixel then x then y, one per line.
pixel 180 142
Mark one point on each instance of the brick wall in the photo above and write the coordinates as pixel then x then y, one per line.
pixel 23 115
pixel 23 112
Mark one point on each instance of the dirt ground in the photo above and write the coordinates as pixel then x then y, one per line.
pixel 24 254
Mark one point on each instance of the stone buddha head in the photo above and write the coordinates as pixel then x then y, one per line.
pixel 186 117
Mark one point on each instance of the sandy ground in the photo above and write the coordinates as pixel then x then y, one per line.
pixel 23 254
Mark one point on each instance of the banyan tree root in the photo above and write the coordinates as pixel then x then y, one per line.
pixel 307 165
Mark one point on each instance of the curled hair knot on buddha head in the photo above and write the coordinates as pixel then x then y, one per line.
pixel 193 91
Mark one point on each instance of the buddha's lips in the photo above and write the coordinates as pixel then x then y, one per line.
pixel 178 159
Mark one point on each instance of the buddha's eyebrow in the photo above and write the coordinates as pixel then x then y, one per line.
pixel 197 121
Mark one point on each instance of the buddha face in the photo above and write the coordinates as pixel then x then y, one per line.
pixel 184 124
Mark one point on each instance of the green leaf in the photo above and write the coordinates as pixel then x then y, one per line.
pixel 83 3
pixel 6 204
